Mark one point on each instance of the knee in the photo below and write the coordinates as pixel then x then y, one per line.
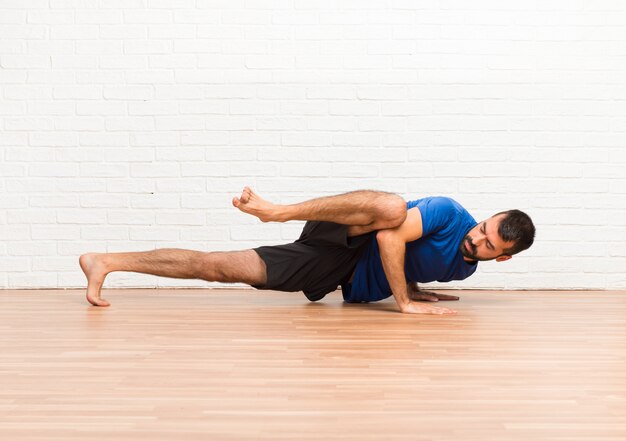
pixel 207 268
pixel 394 211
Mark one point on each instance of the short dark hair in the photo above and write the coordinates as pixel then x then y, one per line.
pixel 516 227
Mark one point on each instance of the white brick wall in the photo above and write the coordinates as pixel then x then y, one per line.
pixel 129 125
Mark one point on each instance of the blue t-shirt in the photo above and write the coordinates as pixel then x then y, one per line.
pixel 434 256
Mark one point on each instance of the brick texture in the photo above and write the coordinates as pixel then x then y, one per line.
pixel 129 125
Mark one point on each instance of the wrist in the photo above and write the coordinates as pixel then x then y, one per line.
pixel 403 304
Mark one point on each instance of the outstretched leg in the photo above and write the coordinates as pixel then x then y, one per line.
pixel 229 267
pixel 364 210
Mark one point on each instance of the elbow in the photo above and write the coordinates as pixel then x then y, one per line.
pixel 384 236
pixel 389 240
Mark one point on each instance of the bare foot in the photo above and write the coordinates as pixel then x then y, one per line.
pixel 94 270
pixel 251 203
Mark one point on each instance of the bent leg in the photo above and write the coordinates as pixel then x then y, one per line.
pixel 237 266
pixel 367 209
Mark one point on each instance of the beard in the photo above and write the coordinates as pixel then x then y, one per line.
pixel 467 253
pixel 471 254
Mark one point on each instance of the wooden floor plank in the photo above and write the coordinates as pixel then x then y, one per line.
pixel 226 364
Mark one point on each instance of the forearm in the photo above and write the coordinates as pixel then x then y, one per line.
pixel 392 253
pixel 392 246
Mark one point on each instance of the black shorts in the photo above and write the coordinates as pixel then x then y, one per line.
pixel 323 258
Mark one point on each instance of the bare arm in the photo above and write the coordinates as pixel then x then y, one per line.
pixel 392 245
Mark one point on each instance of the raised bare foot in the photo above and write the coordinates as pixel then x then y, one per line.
pixel 94 270
pixel 251 203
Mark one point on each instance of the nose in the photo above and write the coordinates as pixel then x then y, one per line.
pixel 479 239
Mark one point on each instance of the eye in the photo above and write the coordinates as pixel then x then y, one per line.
pixel 483 229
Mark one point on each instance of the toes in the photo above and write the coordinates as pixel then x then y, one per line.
pixel 249 193
pixel 102 302
pixel 97 301
pixel 245 196
pixel 236 202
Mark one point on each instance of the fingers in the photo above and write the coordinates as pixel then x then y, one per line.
pixel 429 296
pixel 421 308
pixel 421 296
pixel 441 311
pixel 446 297
pixel 438 310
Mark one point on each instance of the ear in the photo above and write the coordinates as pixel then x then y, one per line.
pixel 503 258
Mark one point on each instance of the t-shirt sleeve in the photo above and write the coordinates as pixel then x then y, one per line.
pixel 437 213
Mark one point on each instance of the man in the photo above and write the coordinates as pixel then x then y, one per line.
pixel 372 243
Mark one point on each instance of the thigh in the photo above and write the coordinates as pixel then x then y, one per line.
pixel 314 268
pixel 235 267
pixel 359 230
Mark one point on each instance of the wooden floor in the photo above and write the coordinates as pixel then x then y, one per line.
pixel 251 365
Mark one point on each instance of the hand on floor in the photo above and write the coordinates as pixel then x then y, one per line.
pixel 418 295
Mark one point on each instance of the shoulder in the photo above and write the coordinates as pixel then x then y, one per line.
pixel 440 203
pixel 437 212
